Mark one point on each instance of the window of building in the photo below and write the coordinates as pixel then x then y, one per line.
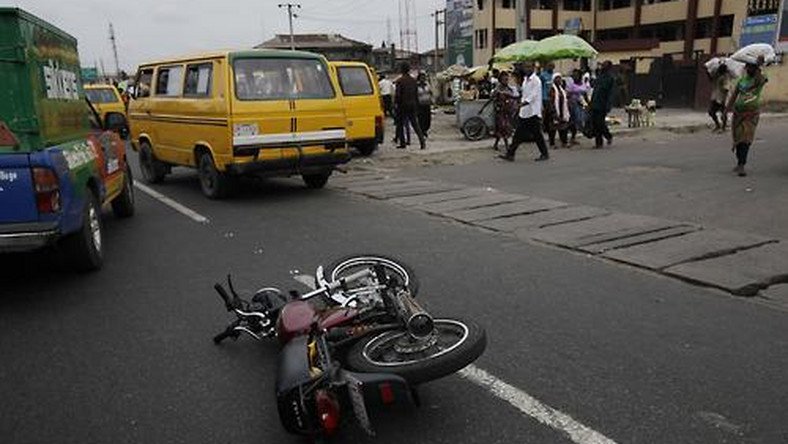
pixel 725 28
pixel 654 2
pixel 198 80
pixel 761 7
pixel 479 5
pixel 507 4
pixel 615 34
pixel 504 37
pixel 539 34
pixel 614 4
pixel 664 32
pixel 169 81
pixel 577 5
pixel 481 38
pixel 543 4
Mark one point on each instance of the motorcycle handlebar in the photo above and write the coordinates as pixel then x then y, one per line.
pixel 229 332
pixel 226 297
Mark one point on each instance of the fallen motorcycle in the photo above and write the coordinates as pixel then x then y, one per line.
pixel 359 340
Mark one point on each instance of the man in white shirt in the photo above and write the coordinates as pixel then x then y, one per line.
pixel 386 92
pixel 529 124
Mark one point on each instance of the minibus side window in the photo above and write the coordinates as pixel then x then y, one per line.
pixel 169 81
pixel 144 80
pixel 198 80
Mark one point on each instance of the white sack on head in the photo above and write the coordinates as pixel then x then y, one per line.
pixel 755 54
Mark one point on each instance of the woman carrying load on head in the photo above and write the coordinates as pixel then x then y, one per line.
pixel 746 105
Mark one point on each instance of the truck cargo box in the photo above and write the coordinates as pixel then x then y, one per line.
pixel 41 99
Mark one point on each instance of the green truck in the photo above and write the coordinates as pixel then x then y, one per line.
pixel 59 163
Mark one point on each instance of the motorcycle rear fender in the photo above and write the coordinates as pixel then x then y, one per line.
pixel 382 389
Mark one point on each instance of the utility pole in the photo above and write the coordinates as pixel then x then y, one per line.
pixel 290 15
pixel 438 22
pixel 114 48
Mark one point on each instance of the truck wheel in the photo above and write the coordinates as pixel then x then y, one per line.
pixel 84 248
pixel 123 205
pixel 214 183
pixel 316 181
pixel 153 170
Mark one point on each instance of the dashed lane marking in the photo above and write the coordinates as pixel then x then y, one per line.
pixel 522 401
pixel 186 211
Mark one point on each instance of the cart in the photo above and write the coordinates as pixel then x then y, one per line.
pixel 476 118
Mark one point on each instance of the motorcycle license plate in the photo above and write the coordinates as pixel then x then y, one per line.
pixel 355 390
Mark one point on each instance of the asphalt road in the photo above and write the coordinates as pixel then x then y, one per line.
pixel 125 355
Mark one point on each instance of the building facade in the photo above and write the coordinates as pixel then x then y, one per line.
pixel 620 29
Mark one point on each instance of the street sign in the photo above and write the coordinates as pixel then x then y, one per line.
pixel 89 75
pixel 759 29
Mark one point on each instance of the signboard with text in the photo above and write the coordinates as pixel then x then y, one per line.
pixel 759 29
pixel 459 32
pixel 782 45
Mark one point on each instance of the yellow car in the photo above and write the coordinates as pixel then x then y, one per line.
pixel 109 105
pixel 237 113
pixel 363 105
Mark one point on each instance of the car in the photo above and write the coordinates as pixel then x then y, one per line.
pixel 231 114
pixel 363 105
pixel 59 163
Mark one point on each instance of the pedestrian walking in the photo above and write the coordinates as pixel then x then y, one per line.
pixel 559 105
pixel 406 97
pixel 719 97
pixel 746 105
pixel 529 125
pixel 425 104
pixel 386 93
pixel 504 106
pixel 576 91
pixel 546 77
pixel 601 102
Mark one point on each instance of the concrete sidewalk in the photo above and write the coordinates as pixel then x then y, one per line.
pixel 445 136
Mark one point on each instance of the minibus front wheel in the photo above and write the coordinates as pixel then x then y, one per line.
pixel 214 183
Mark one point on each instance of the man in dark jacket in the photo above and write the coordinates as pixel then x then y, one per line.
pixel 406 97
pixel 601 102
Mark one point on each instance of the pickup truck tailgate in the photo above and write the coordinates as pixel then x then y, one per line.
pixel 17 198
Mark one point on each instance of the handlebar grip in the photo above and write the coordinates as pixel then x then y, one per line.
pixel 229 333
pixel 226 297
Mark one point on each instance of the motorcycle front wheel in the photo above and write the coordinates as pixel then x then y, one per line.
pixel 454 344
pixel 395 269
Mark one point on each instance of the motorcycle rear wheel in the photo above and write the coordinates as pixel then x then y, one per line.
pixel 458 343
pixel 395 269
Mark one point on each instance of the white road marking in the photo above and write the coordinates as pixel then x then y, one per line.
pixel 186 211
pixel 534 408
pixel 519 399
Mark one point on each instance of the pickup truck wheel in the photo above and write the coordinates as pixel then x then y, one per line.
pixel 316 181
pixel 84 249
pixel 214 183
pixel 123 205
pixel 153 170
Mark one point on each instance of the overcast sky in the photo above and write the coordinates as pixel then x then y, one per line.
pixel 151 29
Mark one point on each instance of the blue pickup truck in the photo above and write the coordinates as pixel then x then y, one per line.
pixel 60 164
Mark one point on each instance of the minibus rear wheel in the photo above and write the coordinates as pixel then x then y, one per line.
pixel 213 182
pixel 316 181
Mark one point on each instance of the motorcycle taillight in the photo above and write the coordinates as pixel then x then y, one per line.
pixel 327 411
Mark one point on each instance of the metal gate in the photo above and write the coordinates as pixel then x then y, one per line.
pixel 671 84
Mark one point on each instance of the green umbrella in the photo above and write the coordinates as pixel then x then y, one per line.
pixel 562 46
pixel 516 52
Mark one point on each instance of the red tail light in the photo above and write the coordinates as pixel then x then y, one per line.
pixel 327 411
pixel 47 190
pixel 386 393
pixel 378 121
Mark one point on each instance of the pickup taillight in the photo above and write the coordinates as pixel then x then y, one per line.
pixel 378 122
pixel 47 190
